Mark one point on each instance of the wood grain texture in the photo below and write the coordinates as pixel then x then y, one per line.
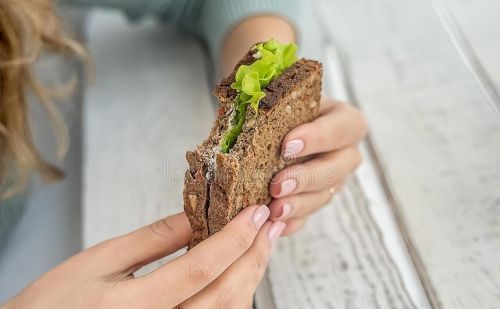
pixel 350 255
pixel 337 261
pixel 437 138
pixel 372 183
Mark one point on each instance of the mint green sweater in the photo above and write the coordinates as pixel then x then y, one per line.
pixel 207 19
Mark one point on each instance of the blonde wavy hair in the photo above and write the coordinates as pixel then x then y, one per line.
pixel 28 28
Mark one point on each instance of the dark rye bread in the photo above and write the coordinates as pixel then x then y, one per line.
pixel 217 185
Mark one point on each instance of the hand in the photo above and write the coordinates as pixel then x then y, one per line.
pixel 221 272
pixel 330 143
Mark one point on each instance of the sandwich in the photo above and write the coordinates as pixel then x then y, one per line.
pixel 269 93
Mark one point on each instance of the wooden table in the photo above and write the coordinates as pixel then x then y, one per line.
pixel 416 227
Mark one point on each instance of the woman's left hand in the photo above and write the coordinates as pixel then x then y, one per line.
pixel 330 145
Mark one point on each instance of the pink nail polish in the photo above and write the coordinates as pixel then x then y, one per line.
pixel 260 216
pixel 287 186
pixel 293 148
pixel 275 231
pixel 286 210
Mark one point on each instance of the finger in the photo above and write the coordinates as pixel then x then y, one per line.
pixel 338 126
pixel 129 252
pixel 299 205
pixel 319 173
pixel 187 275
pixel 236 286
pixel 294 225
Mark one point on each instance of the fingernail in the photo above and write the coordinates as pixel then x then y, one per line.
pixel 286 210
pixel 287 186
pixel 275 231
pixel 293 148
pixel 260 216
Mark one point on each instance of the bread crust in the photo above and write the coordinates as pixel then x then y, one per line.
pixel 195 197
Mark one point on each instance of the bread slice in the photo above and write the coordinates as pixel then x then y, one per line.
pixel 219 185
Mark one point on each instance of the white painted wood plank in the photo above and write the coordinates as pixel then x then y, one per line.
pixel 297 283
pixel 150 103
pixel 474 26
pixel 438 140
pixel 372 189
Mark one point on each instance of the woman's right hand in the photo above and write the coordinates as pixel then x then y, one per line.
pixel 220 272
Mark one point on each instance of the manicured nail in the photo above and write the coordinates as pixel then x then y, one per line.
pixel 287 186
pixel 286 210
pixel 275 231
pixel 260 216
pixel 293 148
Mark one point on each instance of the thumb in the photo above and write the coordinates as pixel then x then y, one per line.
pixel 152 242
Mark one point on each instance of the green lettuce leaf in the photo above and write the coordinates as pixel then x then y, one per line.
pixel 272 59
